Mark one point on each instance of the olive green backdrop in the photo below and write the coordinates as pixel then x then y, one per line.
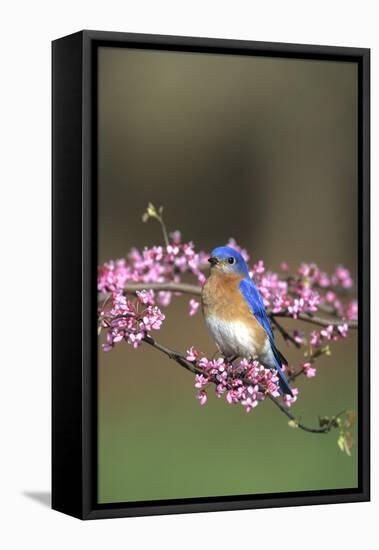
pixel 260 149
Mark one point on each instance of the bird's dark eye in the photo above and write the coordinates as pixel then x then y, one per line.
pixel 231 260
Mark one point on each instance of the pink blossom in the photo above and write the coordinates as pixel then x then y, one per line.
pixel 258 267
pixel 164 298
pixel 289 400
pixel 309 371
pixel 315 338
pixel 330 296
pixel 280 303
pixel 220 389
pixel 249 403
pixel 176 237
pixel 135 339
pixel 352 311
pixel 250 398
pixel 299 336
pixel 311 299
pixel 118 337
pixel 232 243
pixel 339 308
pixel 193 306
pixel 192 355
pixel 342 277
pixel 202 397
pixel 109 345
pixel 153 318
pixel 232 396
pixel 304 269
pixel 204 363
pixel 323 280
pixel 146 297
pixel 343 330
pixel 296 307
pixel 172 250
pixel 201 380
pixel 201 279
pixel 327 332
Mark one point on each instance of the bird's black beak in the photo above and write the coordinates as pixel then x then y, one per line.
pixel 212 260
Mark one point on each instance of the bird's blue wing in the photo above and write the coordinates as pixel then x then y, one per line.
pixel 255 302
pixel 254 299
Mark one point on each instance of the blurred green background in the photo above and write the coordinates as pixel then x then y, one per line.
pixel 260 149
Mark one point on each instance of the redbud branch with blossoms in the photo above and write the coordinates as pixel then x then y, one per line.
pixel 133 290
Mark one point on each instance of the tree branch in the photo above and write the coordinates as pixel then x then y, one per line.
pixel 194 369
pixel 195 290
pixel 317 320
pixel 173 287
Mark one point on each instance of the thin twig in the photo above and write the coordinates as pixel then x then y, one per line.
pixel 293 376
pixel 172 354
pixel 286 335
pixel 157 214
pixel 322 430
pixel 317 353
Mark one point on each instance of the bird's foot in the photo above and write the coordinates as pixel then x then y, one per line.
pixel 230 359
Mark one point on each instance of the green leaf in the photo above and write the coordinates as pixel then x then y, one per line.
pixel 326 350
pixel 151 212
pixel 345 442
pixel 341 442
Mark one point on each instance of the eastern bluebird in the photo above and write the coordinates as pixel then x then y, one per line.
pixel 236 316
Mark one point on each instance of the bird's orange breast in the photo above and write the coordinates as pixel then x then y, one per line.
pixel 223 300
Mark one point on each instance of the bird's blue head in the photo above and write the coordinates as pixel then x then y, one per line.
pixel 227 260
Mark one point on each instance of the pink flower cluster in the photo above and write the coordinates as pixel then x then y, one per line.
pixel 307 291
pixel 244 382
pixel 158 264
pixel 332 333
pixel 130 321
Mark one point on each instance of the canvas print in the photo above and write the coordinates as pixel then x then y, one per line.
pixel 227 275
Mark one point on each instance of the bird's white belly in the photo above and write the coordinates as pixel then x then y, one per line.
pixel 233 337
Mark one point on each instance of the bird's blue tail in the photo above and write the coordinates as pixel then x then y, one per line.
pixel 280 360
pixel 283 382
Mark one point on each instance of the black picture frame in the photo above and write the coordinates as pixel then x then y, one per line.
pixel 74 205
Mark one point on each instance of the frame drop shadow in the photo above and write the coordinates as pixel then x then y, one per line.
pixel 42 497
